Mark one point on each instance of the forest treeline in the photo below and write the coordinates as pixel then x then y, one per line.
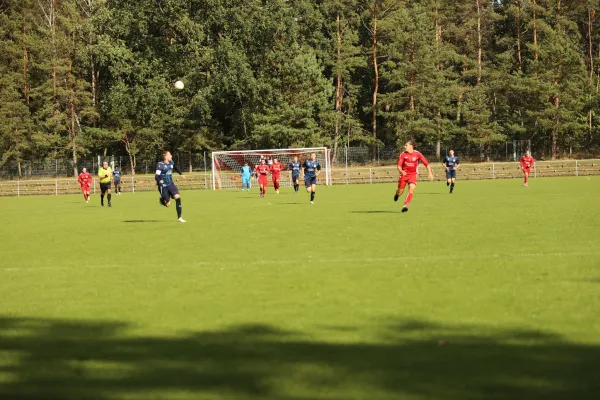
pixel 87 77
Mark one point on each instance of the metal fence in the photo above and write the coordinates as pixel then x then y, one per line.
pixel 344 175
pixel 62 167
pixel 201 162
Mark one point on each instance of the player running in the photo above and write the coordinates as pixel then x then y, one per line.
pixel 451 163
pixel 295 167
pixel 526 163
pixel 276 168
pixel 117 180
pixel 104 174
pixel 85 180
pixel 246 174
pixel 311 171
pixel 166 186
pixel 407 166
pixel 262 170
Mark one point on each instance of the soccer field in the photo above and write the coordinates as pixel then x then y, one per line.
pixel 492 292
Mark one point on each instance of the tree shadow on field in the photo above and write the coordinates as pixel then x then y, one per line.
pixel 64 359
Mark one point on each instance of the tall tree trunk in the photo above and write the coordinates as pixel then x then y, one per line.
pixel 127 144
pixel 591 15
pixel 25 67
pixel 555 130
pixel 479 49
pixel 411 82
pixel 519 59
pixel 190 160
pixel 53 11
pixel 459 107
pixel 19 168
pixel 72 88
pixel 93 65
pixel 376 70
pixel 535 41
pixel 438 33
pixel 438 142
pixel 339 93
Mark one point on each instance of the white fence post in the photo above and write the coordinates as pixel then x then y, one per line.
pixel 132 183
pixel 493 171
pixel 94 184
pixel 56 188
pixel 370 176
pixel 534 170
pixel 205 183
pixel 576 168
pixel 18 188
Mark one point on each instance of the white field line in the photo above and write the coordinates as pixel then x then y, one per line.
pixel 355 260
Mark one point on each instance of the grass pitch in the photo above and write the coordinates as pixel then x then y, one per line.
pixel 490 293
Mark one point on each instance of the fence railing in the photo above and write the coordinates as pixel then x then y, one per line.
pixel 339 176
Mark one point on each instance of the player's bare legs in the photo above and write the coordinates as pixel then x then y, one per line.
pixel 525 178
pixel 398 194
pixel 411 191
pixel 312 189
pixel 178 206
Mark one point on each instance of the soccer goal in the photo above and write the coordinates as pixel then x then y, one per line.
pixel 227 165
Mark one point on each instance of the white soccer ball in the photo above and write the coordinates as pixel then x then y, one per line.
pixel 179 85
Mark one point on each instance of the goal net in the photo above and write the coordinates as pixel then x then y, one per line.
pixel 227 165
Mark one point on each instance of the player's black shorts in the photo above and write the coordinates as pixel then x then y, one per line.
pixel 168 192
pixel 295 177
pixel 451 174
pixel 117 183
pixel 308 181
pixel 104 187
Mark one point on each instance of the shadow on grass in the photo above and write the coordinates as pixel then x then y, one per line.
pixel 142 221
pixel 376 212
pixel 62 359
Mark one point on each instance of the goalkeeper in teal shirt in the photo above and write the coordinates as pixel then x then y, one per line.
pixel 246 173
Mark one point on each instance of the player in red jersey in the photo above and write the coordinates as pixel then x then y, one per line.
pixel 85 180
pixel 526 163
pixel 262 170
pixel 276 168
pixel 407 166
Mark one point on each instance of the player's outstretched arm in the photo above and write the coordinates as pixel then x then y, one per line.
pixel 430 175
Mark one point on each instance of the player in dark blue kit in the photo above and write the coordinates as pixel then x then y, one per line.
pixel 311 171
pixel 451 163
pixel 117 179
pixel 166 186
pixel 295 167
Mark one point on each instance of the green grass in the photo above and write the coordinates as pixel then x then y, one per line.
pixel 277 299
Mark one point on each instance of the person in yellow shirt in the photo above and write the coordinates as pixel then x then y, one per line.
pixel 104 175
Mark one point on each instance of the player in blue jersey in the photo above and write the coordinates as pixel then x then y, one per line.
pixel 246 174
pixel 117 180
pixel 166 186
pixel 451 163
pixel 311 171
pixel 295 167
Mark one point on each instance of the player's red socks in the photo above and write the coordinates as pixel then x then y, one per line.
pixel 408 199
pixel 525 180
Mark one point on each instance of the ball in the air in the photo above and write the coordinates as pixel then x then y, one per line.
pixel 179 85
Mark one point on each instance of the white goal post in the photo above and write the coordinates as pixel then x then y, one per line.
pixel 227 165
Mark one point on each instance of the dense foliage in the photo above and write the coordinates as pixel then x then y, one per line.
pixel 80 77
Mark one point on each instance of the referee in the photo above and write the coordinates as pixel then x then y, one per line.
pixel 104 175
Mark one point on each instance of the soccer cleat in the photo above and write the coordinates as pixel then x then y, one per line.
pixel 525 184
pixel 312 202
pixel 396 197
pixel 102 203
pixel 404 209
pixel 181 219
pixel 110 205
pixel 277 191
